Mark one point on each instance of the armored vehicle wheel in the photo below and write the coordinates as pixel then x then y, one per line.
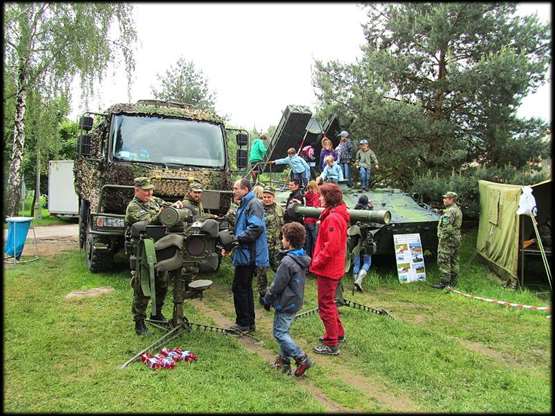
pixel 97 260
pixel 83 215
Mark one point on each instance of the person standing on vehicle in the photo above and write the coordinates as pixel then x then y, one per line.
pixel 328 264
pixel 365 157
pixel 331 173
pixel 299 168
pixel 146 207
pixel 251 252
pixel 449 235
pixel 345 155
pixel 256 155
pixel 327 150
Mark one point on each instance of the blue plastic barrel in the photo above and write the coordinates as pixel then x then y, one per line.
pixel 18 227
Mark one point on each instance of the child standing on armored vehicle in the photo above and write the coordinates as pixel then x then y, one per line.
pixel 345 151
pixel 332 172
pixel 299 168
pixel 364 159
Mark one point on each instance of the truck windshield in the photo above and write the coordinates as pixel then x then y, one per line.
pixel 167 141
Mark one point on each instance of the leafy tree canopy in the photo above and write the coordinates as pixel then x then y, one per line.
pixel 184 83
pixel 438 85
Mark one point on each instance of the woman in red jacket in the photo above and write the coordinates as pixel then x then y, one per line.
pixel 328 264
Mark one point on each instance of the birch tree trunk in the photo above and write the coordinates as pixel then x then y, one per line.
pixel 38 214
pixel 14 175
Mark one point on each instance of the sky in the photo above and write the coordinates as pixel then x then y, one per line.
pixel 256 57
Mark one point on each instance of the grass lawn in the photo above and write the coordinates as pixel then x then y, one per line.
pixel 442 352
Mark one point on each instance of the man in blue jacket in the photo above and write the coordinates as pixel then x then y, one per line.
pixel 250 253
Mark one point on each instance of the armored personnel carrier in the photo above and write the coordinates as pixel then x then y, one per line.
pixel 407 215
pixel 171 143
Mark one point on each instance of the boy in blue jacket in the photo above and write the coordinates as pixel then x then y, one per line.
pixel 286 296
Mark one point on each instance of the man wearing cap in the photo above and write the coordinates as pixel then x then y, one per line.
pixel 193 201
pixel 449 236
pixel 345 155
pixel 364 160
pixel 146 207
pixel 273 216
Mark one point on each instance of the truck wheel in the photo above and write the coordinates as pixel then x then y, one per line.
pixel 83 215
pixel 97 260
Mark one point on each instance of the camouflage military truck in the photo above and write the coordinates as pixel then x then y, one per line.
pixel 171 143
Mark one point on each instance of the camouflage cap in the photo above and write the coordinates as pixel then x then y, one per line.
pixel 143 182
pixel 196 186
pixel 269 190
pixel 450 194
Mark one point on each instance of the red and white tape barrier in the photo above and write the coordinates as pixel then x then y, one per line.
pixel 504 303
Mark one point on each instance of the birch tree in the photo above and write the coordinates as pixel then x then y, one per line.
pixel 46 46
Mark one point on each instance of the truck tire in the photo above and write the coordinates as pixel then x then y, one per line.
pixel 83 218
pixel 97 260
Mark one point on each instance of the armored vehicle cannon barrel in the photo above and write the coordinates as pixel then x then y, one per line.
pixel 378 216
pixel 170 215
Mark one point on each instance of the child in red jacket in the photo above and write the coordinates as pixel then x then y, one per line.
pixel 328 264
pixel 312 197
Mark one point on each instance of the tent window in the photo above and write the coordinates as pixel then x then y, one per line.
pixel 493 214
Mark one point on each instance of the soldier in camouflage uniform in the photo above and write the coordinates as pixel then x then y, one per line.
pixel 193 201
pixel 146 207
pixel 449 235
pixel 273 215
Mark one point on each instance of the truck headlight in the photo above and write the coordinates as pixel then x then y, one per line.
pixel 111 222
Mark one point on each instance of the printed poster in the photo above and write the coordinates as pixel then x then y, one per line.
pixel 410 257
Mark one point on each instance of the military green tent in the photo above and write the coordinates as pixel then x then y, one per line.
pixel 501 231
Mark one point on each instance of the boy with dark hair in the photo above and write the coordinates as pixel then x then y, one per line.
pixel 286 296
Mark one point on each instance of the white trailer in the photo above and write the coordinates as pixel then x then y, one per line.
pixel 62 198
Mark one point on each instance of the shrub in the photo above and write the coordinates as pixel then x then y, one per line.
pixel 430 187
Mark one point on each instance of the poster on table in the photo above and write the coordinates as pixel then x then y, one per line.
pixel 410 257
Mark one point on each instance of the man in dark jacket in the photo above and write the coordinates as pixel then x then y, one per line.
pixel 251 252
pixel 296 196
pixel 286 296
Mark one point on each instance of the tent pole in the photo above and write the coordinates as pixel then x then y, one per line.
pixel 542 251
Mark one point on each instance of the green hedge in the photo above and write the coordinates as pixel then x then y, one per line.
pixel 430 187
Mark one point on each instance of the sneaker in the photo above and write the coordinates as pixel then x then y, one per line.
pixel 303 364
pixel 326 349
pixel 340 339
pixel 140 327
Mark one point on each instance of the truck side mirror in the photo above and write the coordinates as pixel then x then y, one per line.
pixel 241 158
pixel 85 144
pixel 242 139
pixel 85 123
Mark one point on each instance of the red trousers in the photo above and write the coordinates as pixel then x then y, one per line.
pixel 328 310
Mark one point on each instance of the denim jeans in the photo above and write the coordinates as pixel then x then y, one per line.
pixel 311 234
pixel 364 177
pixel 346 167
pixel 282 323
pixel 301 178
pixel 366 266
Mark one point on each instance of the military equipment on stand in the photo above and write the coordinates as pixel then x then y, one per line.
pixel 173 145
pixel 366 218
pixel 183 248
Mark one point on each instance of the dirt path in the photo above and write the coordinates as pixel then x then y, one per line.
pixel 375 391
pixel 268 356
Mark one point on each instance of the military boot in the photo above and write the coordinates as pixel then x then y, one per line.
pixel 140 327
pixel 159 316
